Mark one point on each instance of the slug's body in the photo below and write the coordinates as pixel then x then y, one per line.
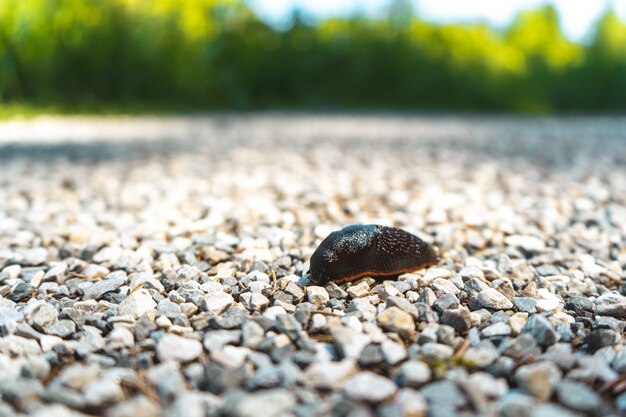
pixel 369 250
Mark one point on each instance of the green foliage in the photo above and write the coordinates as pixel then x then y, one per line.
pixel 217 54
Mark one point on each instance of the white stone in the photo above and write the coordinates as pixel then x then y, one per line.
pixel 177 348
pixel 492 298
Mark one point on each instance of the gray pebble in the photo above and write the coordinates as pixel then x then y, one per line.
pixel 541 330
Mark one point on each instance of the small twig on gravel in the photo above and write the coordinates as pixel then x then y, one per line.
pixel 572 268
pixel 136 287
pixel 462 348
pixel 141 386
pixel 615 383
pixel 324 338
pixel 327 313
pixel 273 274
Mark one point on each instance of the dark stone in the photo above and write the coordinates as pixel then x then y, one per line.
pixel 20 292
pixel 459 319
pixel 425 314
pixel 520 347
pixel 541 330
pixel 564 332
pixel 233 319
pixel 503 367
pixel 606 322
pixel 113 297
pixel 288 325
pixel 448 301
pixel 371 355
pixel 303 313
pixel 22 392
pixel 600 338
pixel 335 291
pixel 217 379
pixel 579 304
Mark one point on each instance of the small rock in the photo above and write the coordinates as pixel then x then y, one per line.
pixel 137 304
pixel 252 334
pixel 395 320
pixel 611 304
pixel 33 256
pixel 295 291
pixel 541 330
pixel 371 355
pixel 90 341
pixel 434 273
pixel 504 287
pixel 102 287
pixel 370 387
pixel 349 343
pixel 481 356
pixel 515 404
pixel 134 407
pixel 334 291
pixel 600 338
pixel 270 403
pixel 168 309
pixel 181 349
pixel 460 319
pixel 393 352
pixel 436 351
pixel 120 337
pixel 317 295
pixel 525 304
pixel 445 286
pixel 577 396
pixel 538 379
pixel 523 346
pixel 579 304
pixel 411 403
pixel 61 328
pixel 329 375
pixel 444 394
pixel 427 296
pixel 216 302
pixel 529 244
pixel 103 392
pixel 496 329
pixel 491 298
pixel 254 301
pixel 40 314
pixel 446 302
pixel 359 290
pixel 619 361
pixel 551 410
pixel 547 305
pixel 56 273
pixel 94 271
pixel 413 374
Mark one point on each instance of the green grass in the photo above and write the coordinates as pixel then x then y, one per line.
pixel 14 111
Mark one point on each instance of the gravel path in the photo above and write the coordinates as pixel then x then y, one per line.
pixel 158 266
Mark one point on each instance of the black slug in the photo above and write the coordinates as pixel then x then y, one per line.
pixel 369 250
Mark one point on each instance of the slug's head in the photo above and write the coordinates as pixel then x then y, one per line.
pixel 319 271
pixel 341 252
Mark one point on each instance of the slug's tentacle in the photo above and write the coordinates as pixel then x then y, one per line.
pixel 369 250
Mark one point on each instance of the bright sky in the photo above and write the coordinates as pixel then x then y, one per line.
pixel 577 16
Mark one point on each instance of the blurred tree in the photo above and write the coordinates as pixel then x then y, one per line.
pixel 217 53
